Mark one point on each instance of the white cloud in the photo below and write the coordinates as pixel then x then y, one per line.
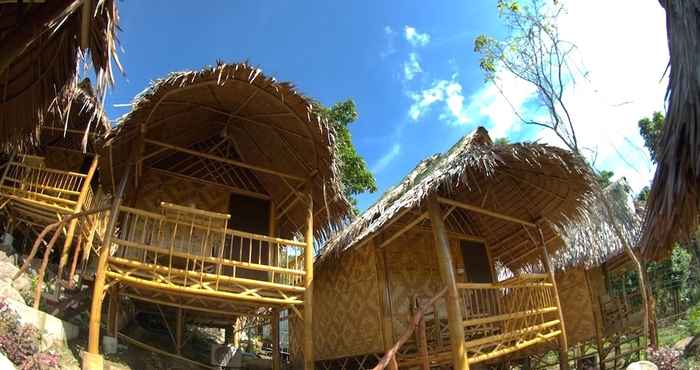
pixel 619 82
pixel 386 159
pixel 390 36
pixel 486 106
pixel 411 67
pixel 416 38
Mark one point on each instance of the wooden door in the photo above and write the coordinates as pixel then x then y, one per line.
pixel 477 266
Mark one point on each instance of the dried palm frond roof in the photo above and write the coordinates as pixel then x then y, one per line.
pixel 44 46
pixel 534 182
pixel 234 112
pixel 673 208
pixel 75 120
pixel 592 240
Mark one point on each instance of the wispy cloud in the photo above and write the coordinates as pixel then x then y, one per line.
pixel 411 67
pixel 416 38
pixel 390 37
pixel 386 159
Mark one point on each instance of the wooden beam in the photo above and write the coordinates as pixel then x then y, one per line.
pixel 404 229
pixel 454 312
pixel 225 160
pixel 229 188
pixel 486 212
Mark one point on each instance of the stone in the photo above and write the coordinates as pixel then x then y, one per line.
pixel 9 291
pixel 53 329
pixel 5 363
pixel 681 344
pixel 642 365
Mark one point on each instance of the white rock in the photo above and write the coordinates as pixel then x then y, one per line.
pixel 642 365
pixel 5 363
pixel 52 328
pixel 9 291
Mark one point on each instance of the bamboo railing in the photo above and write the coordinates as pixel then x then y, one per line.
pixel 185 250
pixel 499 319
pixel 504 317
pixel 53 189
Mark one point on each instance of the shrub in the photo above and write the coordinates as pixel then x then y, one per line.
pixel 666 358
pixel 20 343
pixel 42 361
pixel 694 320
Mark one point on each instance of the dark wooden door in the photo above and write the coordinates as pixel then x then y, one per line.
pixel 477 267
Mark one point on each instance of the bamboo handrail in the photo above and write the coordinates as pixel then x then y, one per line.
pixel 213 260
pixel 239 233
pixel 198 292
pixel 180 272
pixel 510 316
pixel 51 170
pixel 512 334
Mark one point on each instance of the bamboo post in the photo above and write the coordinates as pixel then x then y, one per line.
pixel 596 321
pixel 113 311
pixel 178 331
pixel 275 321
pixel 275 313
pixel 78 207
pixel 92 360
pixel 308 285
pixel 563 345
pixel 422 340
pixel 454 313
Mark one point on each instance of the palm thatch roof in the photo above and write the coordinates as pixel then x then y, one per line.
pixel 592 240
pixel 44 45
pixel 233 112
pixel 75 120
pixel 673 208
pixel 538 183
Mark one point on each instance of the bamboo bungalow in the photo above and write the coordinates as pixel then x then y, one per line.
pixel 447 227
pixel 222 179
pixel 44 46
pixel 602 317
pixel 41 185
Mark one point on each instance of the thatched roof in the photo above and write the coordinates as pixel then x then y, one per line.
pixel 592 240
pixel 75 120
pixel 533 182
pixel 235 112
pixel 42 54
pixel 673 208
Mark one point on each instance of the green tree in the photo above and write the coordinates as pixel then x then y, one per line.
pixel 501 141
pixel 604 177
pixel 355 176
pixel 651 130
pixel 534 52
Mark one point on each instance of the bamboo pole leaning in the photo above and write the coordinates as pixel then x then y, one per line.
pixel 390 355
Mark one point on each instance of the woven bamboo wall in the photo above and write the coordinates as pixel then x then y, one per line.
pixel 577 306
pixel 158 188
pixel 412 270
pixel 346 306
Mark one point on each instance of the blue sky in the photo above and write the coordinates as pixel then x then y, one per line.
pixel 409 66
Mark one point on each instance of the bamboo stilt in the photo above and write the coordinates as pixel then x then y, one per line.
pixel 454 313
pixel 563 343
pixel 65 252
pixel 179 326
pixel 100 276
pixel 309 357
pixel 275 320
